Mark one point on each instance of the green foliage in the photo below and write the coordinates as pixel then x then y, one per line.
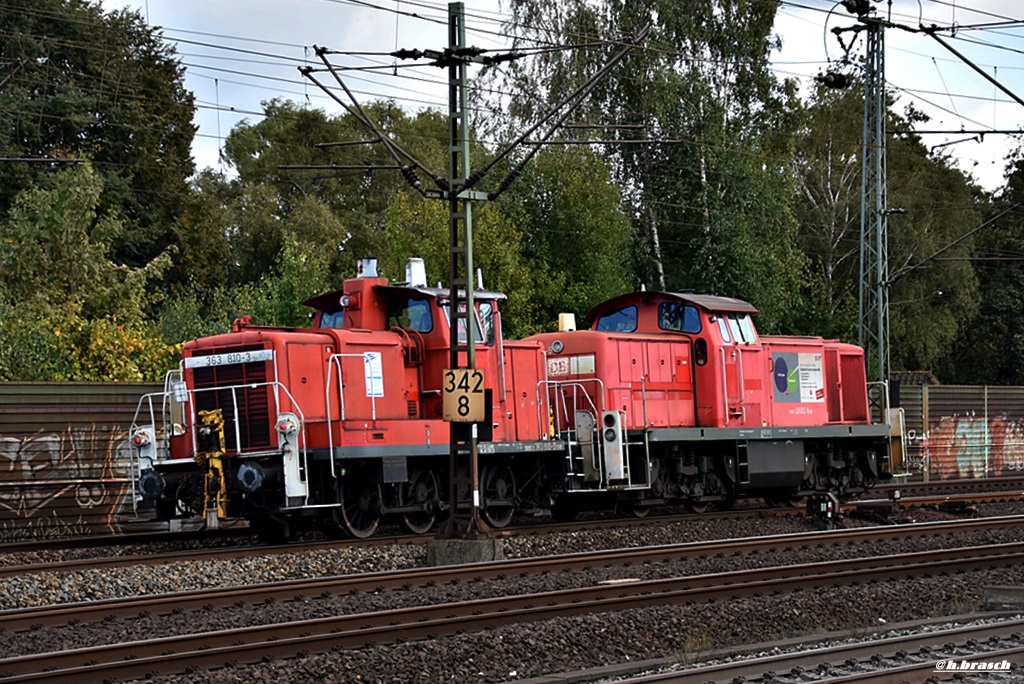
pixel 358 199
pixel 68 311
pixel 990 349
pixel 123 106
pixel 708 194
pixel 574 235
pixel 931 300
pixel 58 343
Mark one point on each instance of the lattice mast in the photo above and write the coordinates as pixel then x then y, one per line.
pixel 874 250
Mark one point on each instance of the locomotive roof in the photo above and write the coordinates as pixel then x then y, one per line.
pixel 328 299
pixel 708 302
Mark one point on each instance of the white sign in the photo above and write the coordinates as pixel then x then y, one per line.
pixel 229 358
pixel 812 379
pixel 374 371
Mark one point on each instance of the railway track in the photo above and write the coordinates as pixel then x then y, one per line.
pixel 904 658
pixel 95 611
pixel 912 494
pixel 251 644
pixel 250 550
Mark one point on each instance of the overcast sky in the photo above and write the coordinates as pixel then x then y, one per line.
pixel 240 52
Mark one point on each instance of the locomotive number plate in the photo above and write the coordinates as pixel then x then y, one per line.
pixel 230 358
pixel 463 395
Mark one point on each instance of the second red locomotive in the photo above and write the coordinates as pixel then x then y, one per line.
pixel 664 398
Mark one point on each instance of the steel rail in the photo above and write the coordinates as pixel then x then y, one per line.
pixel 162 604
pixel 253 644
pixel 879 650
pixel 545 528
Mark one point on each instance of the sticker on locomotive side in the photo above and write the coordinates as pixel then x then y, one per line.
pixel 374 371
pixel 231 358
pixel 798 378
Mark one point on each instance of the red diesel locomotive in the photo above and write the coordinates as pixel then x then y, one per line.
pixel 664 398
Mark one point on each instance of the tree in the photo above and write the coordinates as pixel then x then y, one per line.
pixel 827 168
pixel 990 349
pixel 932 205
pixel 67 310
pixel 711 188
pixel 103 86
pixel 290 135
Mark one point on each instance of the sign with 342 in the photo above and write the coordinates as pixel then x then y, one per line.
pixel 463 391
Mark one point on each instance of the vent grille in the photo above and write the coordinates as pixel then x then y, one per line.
pixel 253 403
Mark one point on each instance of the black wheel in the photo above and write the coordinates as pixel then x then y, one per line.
pixel 498 490
pixel 634 509
pixel 726 504
pixel 697 506
pixel 360 509
pixel 421 490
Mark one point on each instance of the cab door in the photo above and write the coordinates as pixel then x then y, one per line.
pixel 742 363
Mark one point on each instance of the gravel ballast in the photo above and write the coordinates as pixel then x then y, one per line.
pixel 513 652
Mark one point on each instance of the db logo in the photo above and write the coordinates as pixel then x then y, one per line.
pixel 558 367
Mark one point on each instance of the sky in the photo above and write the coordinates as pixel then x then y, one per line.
pixel 238 53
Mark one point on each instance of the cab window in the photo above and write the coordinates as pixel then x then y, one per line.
pixel 487 313
pixel 412 314
pixel 742 328
pixel 477 336
pixel 747 328
pixel 333 318
pixel 723 328
pixel 678 317
pixel 622 320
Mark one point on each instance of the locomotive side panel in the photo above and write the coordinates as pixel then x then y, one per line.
pixel 797 387
pixel 524 412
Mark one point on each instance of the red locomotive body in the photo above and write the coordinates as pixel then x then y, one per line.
pixel 696 406
pixel 666 398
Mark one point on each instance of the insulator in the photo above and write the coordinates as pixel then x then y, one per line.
pixel 858 7
pixel 505 184
pixel 411 177
pixel 833 79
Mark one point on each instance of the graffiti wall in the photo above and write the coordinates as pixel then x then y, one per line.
pixel 966 432
pixel 65 459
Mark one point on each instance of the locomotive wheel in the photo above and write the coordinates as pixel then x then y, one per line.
pixel 697 506
pixel 360 512
pixel 499 495
pixel 726 504
pixel 421 490
pixel 634 510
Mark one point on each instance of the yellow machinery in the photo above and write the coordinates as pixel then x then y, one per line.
pixel 209 458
